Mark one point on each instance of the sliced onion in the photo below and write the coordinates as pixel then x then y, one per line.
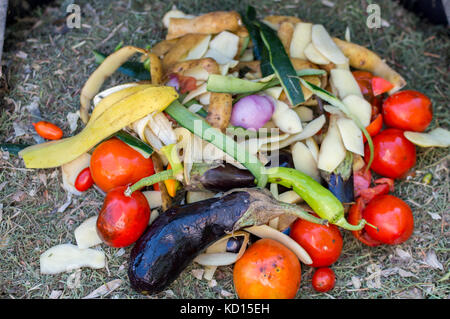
pixel 252 112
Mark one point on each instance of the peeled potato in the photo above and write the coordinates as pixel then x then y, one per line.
pixel 325 45
pixel 438 137
pixel 86 234
pixel 67 257
pixel 304 161
pixel 332 150
pixel 344 82
pixel 351 135
pixel 314 55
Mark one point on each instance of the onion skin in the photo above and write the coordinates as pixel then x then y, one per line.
pixel 252 112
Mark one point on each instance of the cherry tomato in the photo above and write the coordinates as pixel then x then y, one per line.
pixel 84 180
pixel 114 163
pixel 122 219
pixel 364 80
pixel 323 243
pixel 394 155
pixel 323 279
pixel 48 130
pixel 392 217
pixel 408 110
pixel 267 270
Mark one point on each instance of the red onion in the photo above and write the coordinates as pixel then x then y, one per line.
pixel 173 81
pixel 252 112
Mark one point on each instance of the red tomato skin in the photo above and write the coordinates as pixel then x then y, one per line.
pixel 114 163
pixel 84 180
pixel 122 219
pixel 393 218
pixel 394 155
pixel 323 279
pixel 48 130
pixel 380 85
pixel 354 217
pixel 323 243
pixel 374 127
pixel 408 110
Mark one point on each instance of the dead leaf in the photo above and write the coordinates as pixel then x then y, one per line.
pixel 225 293
pixel 19 196
pixel 21 55
pixel 432 261
pixel 105 289
pixel 374 279
pixel 19 129
pixel 198 273
pixel 356 282
pixel 72 119
pixel 434 216
pixel 212 283
pixel 55 294
pixel 74 280
pixel 43 178
pixel 404 255
pixel 414 293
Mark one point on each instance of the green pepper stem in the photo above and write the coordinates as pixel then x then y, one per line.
pixel 171 152
pixel 296 211
pixel 342 222
pixel 150 180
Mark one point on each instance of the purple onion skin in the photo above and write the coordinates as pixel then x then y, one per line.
pixel 252 112
pixel 173 82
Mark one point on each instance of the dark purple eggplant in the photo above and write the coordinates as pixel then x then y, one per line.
pixel 181 233
pixel 340 181
pixel 224 177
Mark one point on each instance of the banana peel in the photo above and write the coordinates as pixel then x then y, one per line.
pixel 120 109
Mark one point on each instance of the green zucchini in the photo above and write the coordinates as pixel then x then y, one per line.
pixel 13 148
pixel 135 143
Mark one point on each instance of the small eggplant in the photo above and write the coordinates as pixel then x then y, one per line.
pixel 224 177
pixel 181 233
pixel 340 181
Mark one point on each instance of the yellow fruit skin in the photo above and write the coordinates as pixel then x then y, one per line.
pixel 114 118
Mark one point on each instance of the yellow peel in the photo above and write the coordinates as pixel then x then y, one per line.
pixel 114 118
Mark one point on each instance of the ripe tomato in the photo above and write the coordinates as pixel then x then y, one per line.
pixel 267 270
pixel 48 130
pixel 84 180
pixel 393 218
pixel 355 215
pixel 323 279
pixel 364 80
pixel 394 155
pixel 122 219
pixel 114 163
pixel 408 110
pixel 323 243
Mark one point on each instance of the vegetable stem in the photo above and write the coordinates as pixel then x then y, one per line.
pixel 150 180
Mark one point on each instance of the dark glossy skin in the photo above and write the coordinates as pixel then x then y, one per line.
pixel 408 110
pixel 226 177
pixel 394 155
pixel 176 237
pixel 343 190
pixel 393 218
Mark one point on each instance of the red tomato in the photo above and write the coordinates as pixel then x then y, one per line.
pixel 394 155
pixel 393 218
pixel 408 110
pixel 364 80
pixel 267 270
pixel 375 127
pixel 48 130
pixel 122 219
pixel 187 83
pixel 84 180
pixel 323 279
pixel 114 163
pixel 323 243
pixel 380 85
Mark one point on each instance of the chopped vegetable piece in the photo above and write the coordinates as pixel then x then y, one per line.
pixel 438 137
pixel 133 69
pixel 380 85
pixel 252 112
pixel 48 130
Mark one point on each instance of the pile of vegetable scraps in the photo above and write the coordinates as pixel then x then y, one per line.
pixel 238 140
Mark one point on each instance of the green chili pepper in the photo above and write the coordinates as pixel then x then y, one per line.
pixel 321 200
